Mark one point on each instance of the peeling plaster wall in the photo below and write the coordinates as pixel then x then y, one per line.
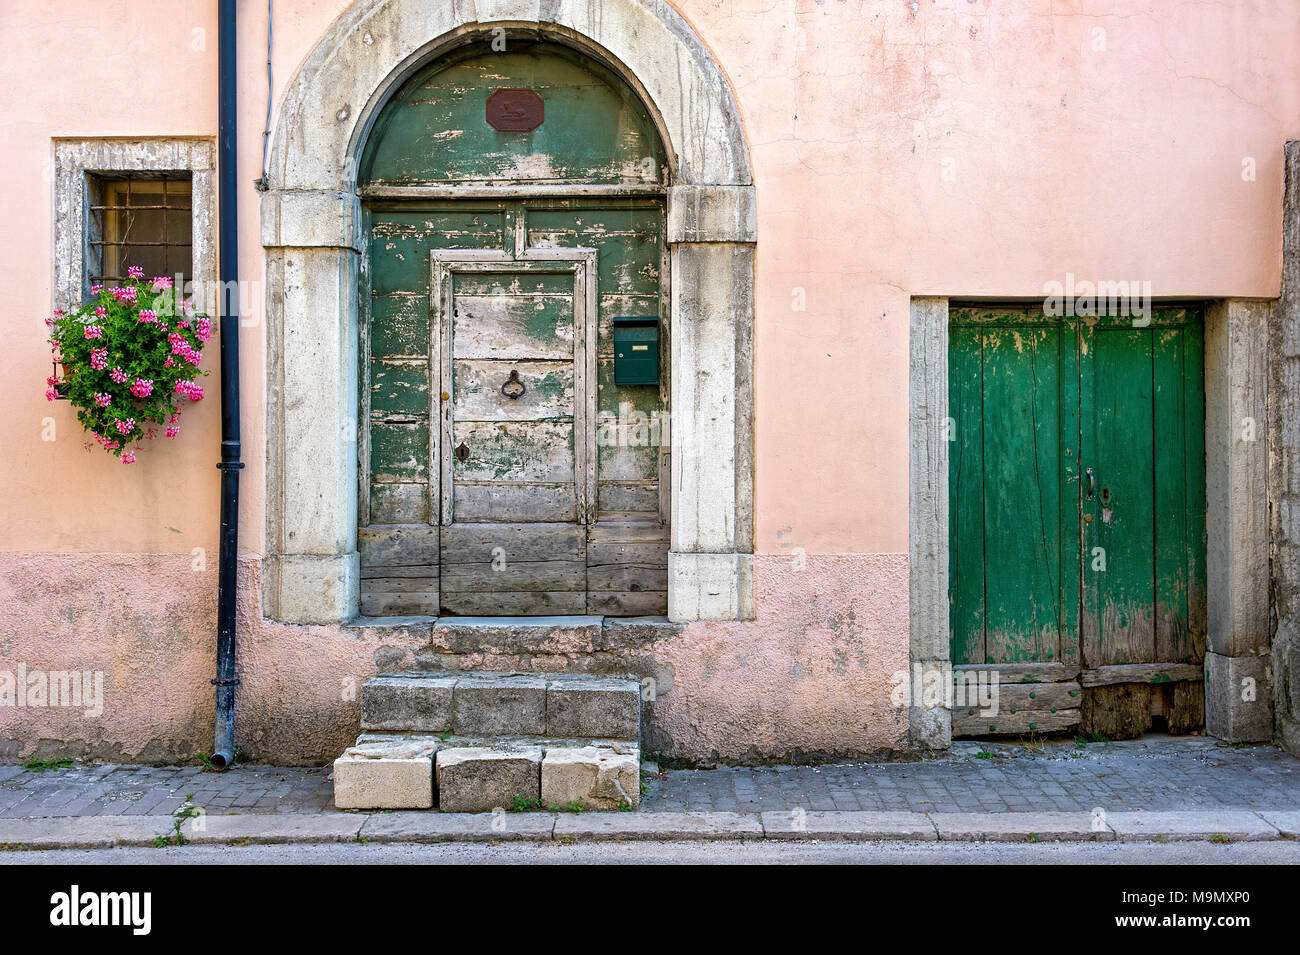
pixel 811 678
pixel 946 148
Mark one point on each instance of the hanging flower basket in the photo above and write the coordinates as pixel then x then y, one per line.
pixel 130 362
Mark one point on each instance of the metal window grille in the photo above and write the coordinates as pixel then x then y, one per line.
pixel 142 220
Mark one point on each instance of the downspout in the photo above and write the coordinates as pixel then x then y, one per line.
pixel 223 752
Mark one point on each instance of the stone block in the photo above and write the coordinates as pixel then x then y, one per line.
pixel 481 778
pixel 601 777
pixel 386 775
pixel 499 705
pixel 420 704
pixel 604 707
pixel 1238 698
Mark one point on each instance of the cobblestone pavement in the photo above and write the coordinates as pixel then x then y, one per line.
pixel 1155 774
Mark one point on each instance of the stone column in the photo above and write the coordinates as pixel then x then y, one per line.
pixel 1284 406
pixel 312 247
pixel 711 233
pixel 929 727
pixel 1238 671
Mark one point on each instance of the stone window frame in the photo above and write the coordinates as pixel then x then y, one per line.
pixel 312 239
pixel 1237 542
pixel 77 159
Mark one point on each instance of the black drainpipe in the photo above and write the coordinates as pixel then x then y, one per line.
pixel 223 752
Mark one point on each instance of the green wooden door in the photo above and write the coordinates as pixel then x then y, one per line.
pixel 1077 505
pixel 559 504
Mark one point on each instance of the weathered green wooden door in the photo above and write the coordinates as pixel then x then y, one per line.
pixel 1077 503
pixel 503 469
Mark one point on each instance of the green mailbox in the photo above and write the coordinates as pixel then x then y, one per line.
pixel 636 350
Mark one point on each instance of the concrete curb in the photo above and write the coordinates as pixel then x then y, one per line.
pixel 102 832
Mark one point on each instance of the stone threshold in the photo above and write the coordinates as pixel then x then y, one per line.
pixel 101 832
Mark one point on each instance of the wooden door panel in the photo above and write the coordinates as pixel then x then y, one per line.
pixel 966 494
pixel 513 452
pixel 515 325
pixel 1119 563
pixel 523 503
pixel 1179 428
pixel 477 391
pixel 1022 535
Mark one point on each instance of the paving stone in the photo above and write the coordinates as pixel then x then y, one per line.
pixel 1238 825
pixel 593 706
pixel 88 832
pixel 266 828
pixel 1018 827
pixel 797 824
pixel 499 705
pixel 600 777
pixel 659 825
pixel 420 704
pixel 480 778
pixel 457 826
pixel 392 775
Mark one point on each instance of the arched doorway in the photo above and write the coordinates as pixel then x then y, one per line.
pixel 515 456
pixel 315 238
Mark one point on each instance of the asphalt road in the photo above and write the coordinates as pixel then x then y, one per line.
pixel 669 853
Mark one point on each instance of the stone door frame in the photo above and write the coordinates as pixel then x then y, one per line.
pixel 311 227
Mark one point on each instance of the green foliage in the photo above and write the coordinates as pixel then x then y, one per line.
pixel 36 765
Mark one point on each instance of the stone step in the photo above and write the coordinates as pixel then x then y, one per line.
pixel 469 774
pixel 503 704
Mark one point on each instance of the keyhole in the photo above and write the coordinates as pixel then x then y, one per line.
pixel 462 452
pixel 1105 495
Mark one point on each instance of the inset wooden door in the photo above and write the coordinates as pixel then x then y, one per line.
pixel 1077 517
pixel 515 442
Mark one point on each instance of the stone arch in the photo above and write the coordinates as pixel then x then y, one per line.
pixel 311 233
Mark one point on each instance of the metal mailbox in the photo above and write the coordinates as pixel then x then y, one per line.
pixel 636 350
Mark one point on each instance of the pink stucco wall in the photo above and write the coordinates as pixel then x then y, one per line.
pixel 958 147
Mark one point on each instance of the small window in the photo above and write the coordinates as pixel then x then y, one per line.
pixel 141 220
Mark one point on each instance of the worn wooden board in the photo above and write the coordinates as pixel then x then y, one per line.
pixel 1120 711
pixel 465 543
pixel 1143 673
pixel 1022 723
pixel 401 545
pixel 398 503
pixel 1023 672
pixel 517 503
pixel 516 576
pixel 1031 696
pixel 622 604
pixel 1184 707
pixel 529 603
pixel 386 603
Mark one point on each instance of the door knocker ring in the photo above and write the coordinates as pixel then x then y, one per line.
pixel 513 389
